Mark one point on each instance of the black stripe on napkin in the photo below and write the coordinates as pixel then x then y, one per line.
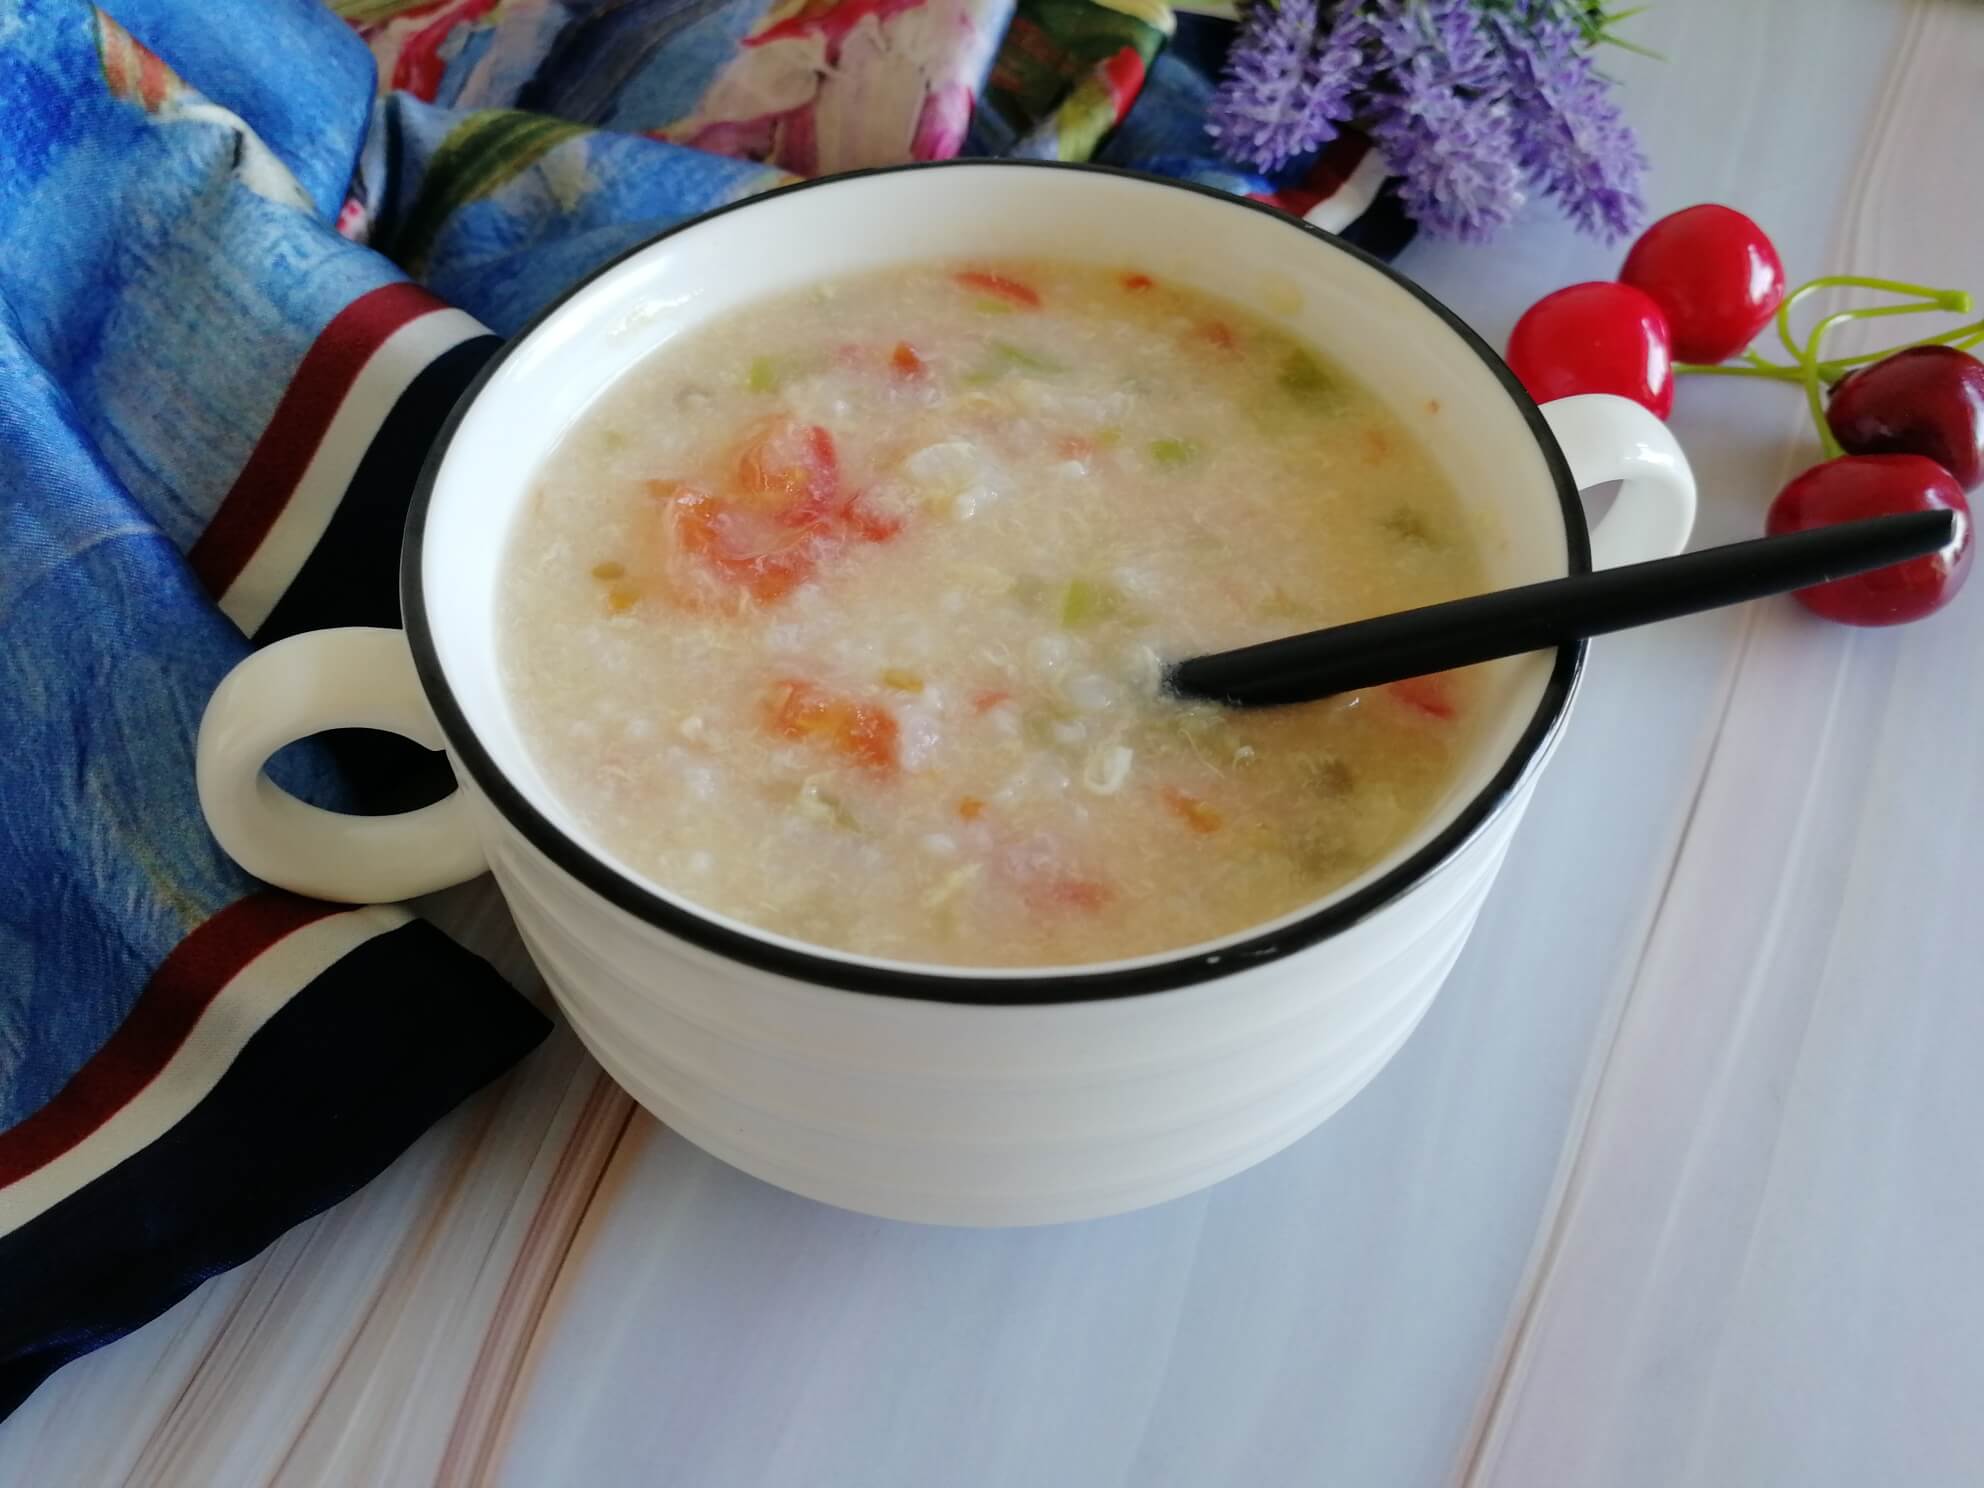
pixel 332 1088
pixel 352 576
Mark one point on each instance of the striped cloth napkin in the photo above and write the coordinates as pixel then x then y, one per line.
pixel 249 256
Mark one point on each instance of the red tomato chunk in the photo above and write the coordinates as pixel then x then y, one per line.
pixel 863 733
pixel 785 511
pixel 733 547
pixel 1065 891
pixel 1190 810
pixel 999 287
pixel 1431 695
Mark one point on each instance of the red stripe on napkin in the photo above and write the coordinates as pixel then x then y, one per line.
pixel 164 1014
pixel 283 453
pixel 1324 179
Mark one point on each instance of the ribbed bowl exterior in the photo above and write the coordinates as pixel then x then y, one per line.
pixel 950 1113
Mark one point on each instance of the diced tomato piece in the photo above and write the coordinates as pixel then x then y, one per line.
pixel 865 733
pixel 865 522
pixel 999 287
pixel 769 577
pixel 1220 334
pixel 1074 447
pixel 780 518
pixel 1135 282
pixel 693 514
pixel 794 466
pixel 1431 695
pixel 706 531
pixel 869 737
pixel 905 363
pixel 1193 812
pixel 970 808
pixel 986 701
pixel 1066 891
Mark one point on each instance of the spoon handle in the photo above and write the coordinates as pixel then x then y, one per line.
pixel 1508 622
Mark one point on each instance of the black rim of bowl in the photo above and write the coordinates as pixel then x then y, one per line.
pixel 995 985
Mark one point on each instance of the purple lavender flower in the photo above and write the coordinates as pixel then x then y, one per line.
pixel 1282 94
pixel 1442 121
pixel 1455 157
pixel 1466 98
pixel 1449 30
pixel 1339 71
pixel 1570 136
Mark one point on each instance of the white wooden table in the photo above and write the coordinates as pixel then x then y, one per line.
pixel 1679 1183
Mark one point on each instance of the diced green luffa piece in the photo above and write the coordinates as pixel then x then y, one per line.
pixel 1088 602
pixel 1302 373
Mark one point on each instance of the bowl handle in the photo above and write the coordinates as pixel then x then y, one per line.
pixel 1605 438
pixel 358 677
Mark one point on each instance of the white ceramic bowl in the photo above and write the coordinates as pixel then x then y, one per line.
pixel 923 1092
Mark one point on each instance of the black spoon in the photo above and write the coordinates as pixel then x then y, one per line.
pixel 1508 622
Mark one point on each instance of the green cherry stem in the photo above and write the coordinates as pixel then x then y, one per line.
pixel 1925 299
pixel 1833 368
pixel 1929 298
pixel 1814 400
pixel 1962 336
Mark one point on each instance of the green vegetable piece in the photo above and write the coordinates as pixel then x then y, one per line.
pixel 1004 357
pixel 1410 526
pixel 1304 377
pixel 1325 774
pixel 1174 451
pixel 1019 356
pixel 986 305
pixel 823 806
pixel 1086 602
pixel 1028 591
pixel 763 376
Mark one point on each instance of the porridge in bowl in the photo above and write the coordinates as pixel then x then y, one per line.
pixel 844 616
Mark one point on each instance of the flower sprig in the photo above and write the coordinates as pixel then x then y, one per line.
pixel 1473 102
pixel 1599 26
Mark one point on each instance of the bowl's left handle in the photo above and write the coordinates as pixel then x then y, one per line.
pixel 359 677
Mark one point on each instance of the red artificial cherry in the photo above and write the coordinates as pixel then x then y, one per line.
pixel 1595 338
pixel 1716 275
pixel 1856 486
pixel 1924 400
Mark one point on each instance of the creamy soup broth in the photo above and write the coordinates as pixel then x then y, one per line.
pixel 844 616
